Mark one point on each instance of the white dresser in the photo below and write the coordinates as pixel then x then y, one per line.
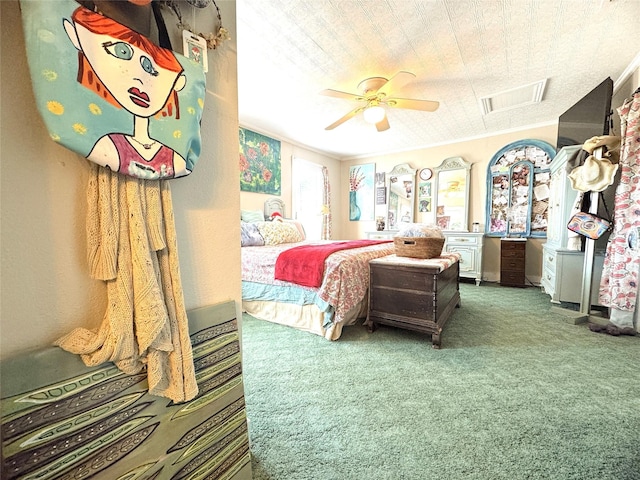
pixel 467 244
pixel 562 263
pixel 381 234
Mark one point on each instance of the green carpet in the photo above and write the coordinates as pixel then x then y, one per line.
pixel 516 392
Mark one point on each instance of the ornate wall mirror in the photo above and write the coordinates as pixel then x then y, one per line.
pixel 518 180
pixel 401 187
pixel 452 181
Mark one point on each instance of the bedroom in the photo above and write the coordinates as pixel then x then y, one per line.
pixel 45 287
pixel 359 144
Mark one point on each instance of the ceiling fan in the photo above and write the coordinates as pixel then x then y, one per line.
pixel 376 94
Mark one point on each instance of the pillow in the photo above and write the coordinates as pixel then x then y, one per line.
pixel 275 233
pixel 298 225
pixel 251 215
pixel 250 235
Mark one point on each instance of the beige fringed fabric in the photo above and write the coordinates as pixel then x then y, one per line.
pixel 132 247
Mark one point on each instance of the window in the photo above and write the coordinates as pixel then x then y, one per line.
pixel 518 179
pixel 306 195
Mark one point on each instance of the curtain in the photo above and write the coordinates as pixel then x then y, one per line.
pixel 618 285
pixel 326 201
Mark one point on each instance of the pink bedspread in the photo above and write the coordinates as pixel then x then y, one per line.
pixel 304 265
pixel 346 277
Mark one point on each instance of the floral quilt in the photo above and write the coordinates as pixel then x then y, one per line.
pixel 346 279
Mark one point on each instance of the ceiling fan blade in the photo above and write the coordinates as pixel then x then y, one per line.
pixel 396 82
pixel 343 119
pixel 413 104
pixel 383 124
pixel 338 94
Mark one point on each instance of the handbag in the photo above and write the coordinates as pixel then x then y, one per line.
pixel 112 95
pixel 590 225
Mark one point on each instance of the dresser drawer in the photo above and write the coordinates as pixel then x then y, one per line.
pixel 460 240
pixel 512 264
pixel 515 279
pixel 512 254
pixel 549 259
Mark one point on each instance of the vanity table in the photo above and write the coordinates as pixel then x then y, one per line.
pixel 451 204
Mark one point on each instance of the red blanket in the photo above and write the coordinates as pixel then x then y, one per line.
pixel 304 265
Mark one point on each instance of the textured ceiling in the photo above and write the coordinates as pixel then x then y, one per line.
pixel 459 50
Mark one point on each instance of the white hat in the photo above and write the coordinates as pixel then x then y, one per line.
pixel 610 141
pixel 593 175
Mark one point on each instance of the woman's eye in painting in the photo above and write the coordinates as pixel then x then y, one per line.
pixel 120 50
pixel 147 66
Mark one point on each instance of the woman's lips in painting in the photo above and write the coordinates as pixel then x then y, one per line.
pixel 139 98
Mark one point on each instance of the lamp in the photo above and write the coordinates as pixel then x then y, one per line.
pixel 374 113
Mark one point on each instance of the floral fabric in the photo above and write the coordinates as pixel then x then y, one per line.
pixel 326 200
pixel 618 285
pixel 441 263
pixel 275 233
pixel 346 272
pixel 250 235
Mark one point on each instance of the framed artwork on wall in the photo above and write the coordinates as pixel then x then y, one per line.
pixel 424 197
pixel 361 192
pixel 260 165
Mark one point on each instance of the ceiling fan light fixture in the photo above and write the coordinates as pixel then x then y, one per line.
pixel 374 114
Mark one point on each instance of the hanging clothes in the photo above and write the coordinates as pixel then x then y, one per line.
pixel 619 282
pixel 132 247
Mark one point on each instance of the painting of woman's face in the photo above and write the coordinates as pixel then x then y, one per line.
pixel 130 74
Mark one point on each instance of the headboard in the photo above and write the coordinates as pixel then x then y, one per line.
pixel 272 206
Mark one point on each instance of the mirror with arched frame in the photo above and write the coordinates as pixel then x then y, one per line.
pixel 401 183
pixel 452 181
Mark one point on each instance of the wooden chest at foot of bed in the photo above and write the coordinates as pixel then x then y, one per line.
pixel 414 294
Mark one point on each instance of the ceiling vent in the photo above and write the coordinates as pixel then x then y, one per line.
pixel 516 97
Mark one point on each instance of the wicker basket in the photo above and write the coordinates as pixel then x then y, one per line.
pixel 418 247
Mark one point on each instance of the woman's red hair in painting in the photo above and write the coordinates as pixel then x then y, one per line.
pixel 99 24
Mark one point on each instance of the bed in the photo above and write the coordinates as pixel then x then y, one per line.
pixel 340 299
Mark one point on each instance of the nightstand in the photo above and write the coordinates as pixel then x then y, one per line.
pixel 512 261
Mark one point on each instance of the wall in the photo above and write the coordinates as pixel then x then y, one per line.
pixel 46 289
pixel 255 201
pixel 478 152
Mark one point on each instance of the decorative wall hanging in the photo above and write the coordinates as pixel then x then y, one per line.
pixel 518 179
pixel 214 38
pixel 122 111
pixel 112 95
pixel 260 169
pixel 361 192
pixel 424 197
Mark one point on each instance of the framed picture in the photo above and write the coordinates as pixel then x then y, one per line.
pixel 260 166
pixel 361 192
